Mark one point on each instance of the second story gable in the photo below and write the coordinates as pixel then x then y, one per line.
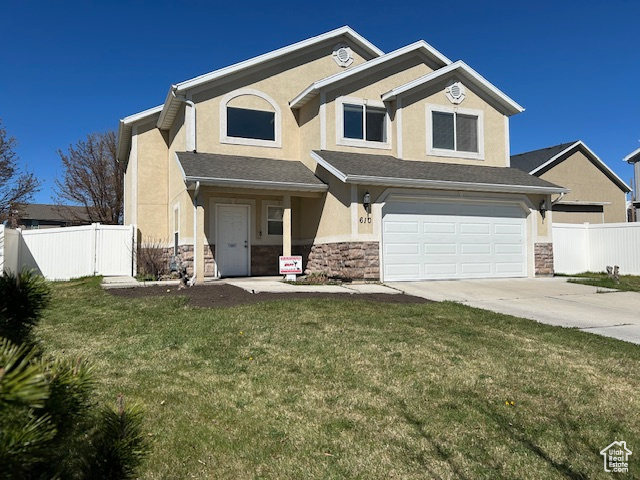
pixel 337 91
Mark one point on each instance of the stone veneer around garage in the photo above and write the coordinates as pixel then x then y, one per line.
pixel 347 260
pixel 543 254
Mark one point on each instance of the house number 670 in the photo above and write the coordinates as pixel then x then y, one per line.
pixel 365 219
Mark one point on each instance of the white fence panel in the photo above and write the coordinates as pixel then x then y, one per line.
pixel 71 252
pixel 114 250
pixel 9 248
pixel 570 248
pixel 585 247
pixel 59 253
pixel 615 244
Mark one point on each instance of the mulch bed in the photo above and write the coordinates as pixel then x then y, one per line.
pixel 223 295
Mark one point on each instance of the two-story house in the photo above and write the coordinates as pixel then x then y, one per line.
pixel 371 165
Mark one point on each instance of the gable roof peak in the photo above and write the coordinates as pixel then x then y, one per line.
pixel 536 162
pixel 417 47
pixel 509 106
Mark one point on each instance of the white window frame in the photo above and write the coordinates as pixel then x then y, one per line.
pixel 354 142
pixel 265 218
pixel 224 138
pixel 176 222
pixel 443 152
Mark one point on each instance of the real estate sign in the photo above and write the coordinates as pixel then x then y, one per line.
pixel 290 265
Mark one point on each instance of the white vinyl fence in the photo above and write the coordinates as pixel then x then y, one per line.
pixel 9 244
pixel 592 247
pixel 71 252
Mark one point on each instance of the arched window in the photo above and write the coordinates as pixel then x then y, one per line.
pixel 250 117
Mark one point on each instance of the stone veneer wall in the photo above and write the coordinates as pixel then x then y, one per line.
pixel 346 260
pixel 544 259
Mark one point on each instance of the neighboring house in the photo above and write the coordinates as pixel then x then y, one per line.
pixel 39 215
pixel 371 165
pixel 597 194
pixel 634 159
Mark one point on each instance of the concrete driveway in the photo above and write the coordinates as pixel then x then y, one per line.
pixel 547 300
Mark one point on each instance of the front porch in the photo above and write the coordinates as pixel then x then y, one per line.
pixel 246 212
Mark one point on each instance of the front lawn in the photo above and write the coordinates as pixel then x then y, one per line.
pixel 353 389
pixel 628 283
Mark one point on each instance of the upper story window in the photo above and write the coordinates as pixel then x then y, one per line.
pixel 362 123
pixel 454 132
pixel 250 117
pixel 245 123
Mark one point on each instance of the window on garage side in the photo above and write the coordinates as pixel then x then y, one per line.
pixel 455 131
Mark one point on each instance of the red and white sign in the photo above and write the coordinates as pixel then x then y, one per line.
pixel 290 265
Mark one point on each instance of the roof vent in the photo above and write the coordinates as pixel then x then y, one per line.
pixel 343 55
pixel 455 92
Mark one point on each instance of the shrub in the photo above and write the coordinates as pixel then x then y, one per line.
pixel 23 297
pixel 51 428
pixel 152 258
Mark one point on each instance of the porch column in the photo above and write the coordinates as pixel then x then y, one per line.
pixel 199 251
pixel 286 226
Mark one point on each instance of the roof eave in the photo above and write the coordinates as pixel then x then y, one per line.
pixel 630 158
pixel 166 119
pixel 258 184
pixel 124 131
pixel 610 173
pixel 511 107
pixel 449 185
pixel 312 90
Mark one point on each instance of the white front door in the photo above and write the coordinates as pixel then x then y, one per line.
pixel 232 242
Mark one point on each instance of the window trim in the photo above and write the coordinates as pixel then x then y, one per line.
pixel 442 152
pixel 265 218
pixel 354 142
pixel 224 138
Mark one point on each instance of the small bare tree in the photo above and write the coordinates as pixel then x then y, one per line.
pixel 93 178
pixel 152 256
pixel 16 188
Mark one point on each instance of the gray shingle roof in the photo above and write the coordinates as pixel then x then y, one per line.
pixel 390 170
pixel 41 211
pixel 215 169
pixel 529 161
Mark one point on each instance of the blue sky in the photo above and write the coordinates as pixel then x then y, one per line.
pixel 71 68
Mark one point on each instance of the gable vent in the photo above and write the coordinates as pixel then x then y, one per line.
pixel 455 92
pixel 343 55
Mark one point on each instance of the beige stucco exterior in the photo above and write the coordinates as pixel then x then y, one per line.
pixel 158 198
pixel 587 183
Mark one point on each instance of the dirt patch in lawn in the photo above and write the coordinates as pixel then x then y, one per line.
pixel 223 295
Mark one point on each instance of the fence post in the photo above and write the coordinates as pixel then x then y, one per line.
pixel 587 242
pixel 94 247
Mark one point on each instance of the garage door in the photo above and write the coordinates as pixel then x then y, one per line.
pixel 425 240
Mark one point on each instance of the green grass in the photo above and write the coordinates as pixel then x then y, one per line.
pixel 628 283
pixel 351 389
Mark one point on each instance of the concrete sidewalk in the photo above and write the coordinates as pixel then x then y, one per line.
pixel 548 300
pixel 259 285
pixel 276 285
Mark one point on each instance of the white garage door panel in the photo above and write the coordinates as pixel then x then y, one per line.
pixel 433 240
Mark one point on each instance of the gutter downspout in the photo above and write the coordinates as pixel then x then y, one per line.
pixel 192 281
pixel 192 124
pixel 557 199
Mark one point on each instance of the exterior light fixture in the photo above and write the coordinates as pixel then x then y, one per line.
pixel 366 202
pixel 543 208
